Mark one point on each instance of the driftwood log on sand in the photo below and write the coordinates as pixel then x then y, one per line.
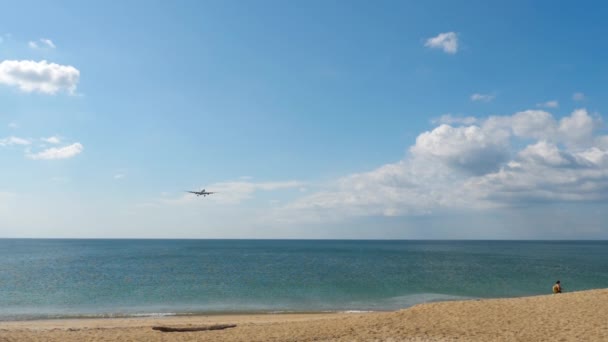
pixel 203 328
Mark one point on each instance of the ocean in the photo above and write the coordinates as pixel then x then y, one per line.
pixel 53 278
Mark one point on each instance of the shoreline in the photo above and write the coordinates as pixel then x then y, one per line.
pixel 573 316
pixel 164 312
pixel 184 315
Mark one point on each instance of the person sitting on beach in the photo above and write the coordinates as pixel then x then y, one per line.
pixel 557 288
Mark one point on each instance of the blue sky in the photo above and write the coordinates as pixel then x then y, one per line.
pixel 312 120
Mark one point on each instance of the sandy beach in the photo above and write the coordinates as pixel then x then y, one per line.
pixel 576 316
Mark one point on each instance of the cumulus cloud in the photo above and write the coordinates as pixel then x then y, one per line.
pixel 537 124
pixel 545 172
pixel 548 104
pixel 42 77
pixel 573 130
pixel 447 41
pixel 499 161
pixel 577 128
pixel 482 97
pixel 547 154
pixel 469 148
pixel 64 152
pixel 578 96
pixel 9 141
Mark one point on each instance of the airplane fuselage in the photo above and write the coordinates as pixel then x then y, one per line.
pixel 202 192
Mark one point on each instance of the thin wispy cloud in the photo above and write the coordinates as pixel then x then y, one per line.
pixel 449 119
pixel 235 192
pixel 52 140
pixel 42 77
pixel 548 104
pixel 447 41
pixel 42 43
pixel 10 141
pixel 578 97
pixel 5 37
pixel 53 153
pixel 48 42
pixel 477 97
pixel 13 125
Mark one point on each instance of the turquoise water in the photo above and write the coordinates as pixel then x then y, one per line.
pixel 73 278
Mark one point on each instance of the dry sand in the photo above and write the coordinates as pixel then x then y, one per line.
pixel 576 316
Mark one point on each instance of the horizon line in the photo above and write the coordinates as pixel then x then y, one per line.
pixel 288 239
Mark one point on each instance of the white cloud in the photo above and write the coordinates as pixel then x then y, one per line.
pixel 577 129
pixel 536 124
pixel 510 160
pixel 64 152
pixel 573 130
pixel 447 41
pixel 414 186
pixel 578 97
pixel 43 77
pixel 52 140
pixel 545 153
pixel 548 104
pixel 469 148
pixel 119 176
pixel 14 141
pixel 13 125
pixel 545 172
pixel 482 97
pixel 46 43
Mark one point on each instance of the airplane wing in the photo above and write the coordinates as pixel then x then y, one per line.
pixel 192 192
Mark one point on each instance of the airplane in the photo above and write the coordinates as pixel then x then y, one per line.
pixel 202 192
